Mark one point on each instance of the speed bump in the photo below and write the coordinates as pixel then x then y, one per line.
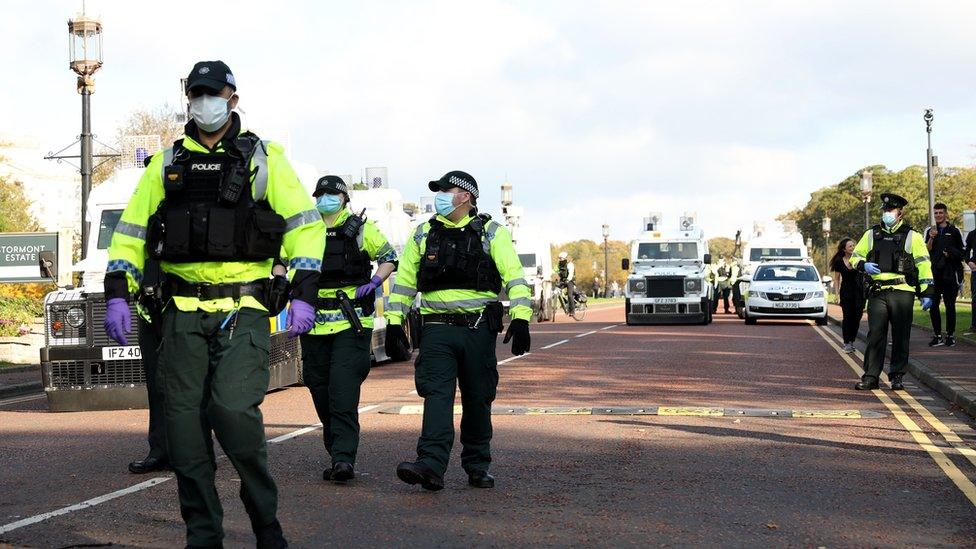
pixel 687 411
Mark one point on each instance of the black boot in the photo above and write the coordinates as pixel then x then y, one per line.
pixel 149 465
pixel 481 479
pixel 413 472
pixel 270 536
pixel 866 384
pixel 341 472
pixel 896 383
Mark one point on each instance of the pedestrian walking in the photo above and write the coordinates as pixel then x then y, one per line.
pixel 944 242
pixel 459 261
pixel 850 285
pixel 216 209
pixel 336 355
pixel 896 260
pixel 971 262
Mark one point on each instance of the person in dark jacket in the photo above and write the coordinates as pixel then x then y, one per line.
pixel 970 257
pixel 944 242
pixel 851 292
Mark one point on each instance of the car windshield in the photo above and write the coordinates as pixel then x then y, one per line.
pixel 667 250
pixel 110 218
pixel 787 273
pixel 755 254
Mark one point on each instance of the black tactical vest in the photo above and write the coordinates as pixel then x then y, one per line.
pixel 563 270
pixel 208 213
pixel 458 259
pixel 889 252
pixel 344 263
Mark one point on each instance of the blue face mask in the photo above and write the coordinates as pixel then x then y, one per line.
pixel 329 203
pixel 444 203
pixel 889 218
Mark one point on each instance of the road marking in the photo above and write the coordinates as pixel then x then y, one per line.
pixel 962 482
pixel 83 505
pixel 585 334
pixel 511 358
pixel 556 344
pixel 142 485
pixel 950 436
pixel 610 326
pixel 690 411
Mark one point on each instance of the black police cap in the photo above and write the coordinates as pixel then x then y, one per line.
pixel 332 184
pixel 457 178
pixel 892 200
pixel 211 74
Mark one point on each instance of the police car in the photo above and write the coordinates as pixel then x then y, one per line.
pixel 786 289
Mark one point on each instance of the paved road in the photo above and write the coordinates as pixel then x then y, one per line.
pixel 629 467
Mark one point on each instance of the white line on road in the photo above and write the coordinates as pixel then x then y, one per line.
pixel 19 399
pixel 950 469
pixel 608 327
pixel 556 344
pixel 511 358
pixel 585 333
pixel 142 485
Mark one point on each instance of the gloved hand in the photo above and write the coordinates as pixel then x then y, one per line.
pixel 301 318
pixel 118 320
pixel 369 287
pixel 872 268
pixel 396 344
pixel 926 303
pixel 518 333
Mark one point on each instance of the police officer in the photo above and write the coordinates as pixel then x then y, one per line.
pixel 897 263
pixel 723 273
pixel 216 208
pixel 149 340
pixel 459 261
pixel 566 270
pixel 335 355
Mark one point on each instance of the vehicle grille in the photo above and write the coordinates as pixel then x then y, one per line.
pixel 283 348
pixel 777 311
pixel 665 287
pixel 68 373
pixel 666 308
pixel 98 321
pixel 782 297
pixel 117 372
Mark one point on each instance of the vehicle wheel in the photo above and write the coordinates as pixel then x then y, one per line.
pixel 579 313
pixel 750 321
pixel 822 321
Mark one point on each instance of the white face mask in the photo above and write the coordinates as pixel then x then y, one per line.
pixel 210 112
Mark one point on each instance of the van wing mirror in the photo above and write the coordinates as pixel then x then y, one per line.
pixel 538 270
pixel 707 259
pixel 47 261
pixel 625 264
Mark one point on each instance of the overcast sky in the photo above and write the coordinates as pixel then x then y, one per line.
pixel 595 111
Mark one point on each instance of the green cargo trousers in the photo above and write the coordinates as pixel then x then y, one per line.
pixel 894 307
pixel 334 367
pixel 213 380
pixel 456 356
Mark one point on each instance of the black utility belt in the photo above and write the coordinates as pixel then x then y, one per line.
pixel 455 319
pixel 333 303
pixel 205 291
pixel 889 282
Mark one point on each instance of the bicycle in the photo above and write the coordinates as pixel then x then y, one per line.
pixel 560 300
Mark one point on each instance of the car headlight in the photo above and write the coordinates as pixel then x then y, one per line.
pixel 814 295
pixel 761 295
pixel 637 285
pixel 693 285
pixel 75 317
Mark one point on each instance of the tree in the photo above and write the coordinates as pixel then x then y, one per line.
pixel 163 121
pixel 15 213
pixel 721 245
pixel 586 253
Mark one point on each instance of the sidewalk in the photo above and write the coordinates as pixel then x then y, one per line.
pixel 950 371
pixel 18 380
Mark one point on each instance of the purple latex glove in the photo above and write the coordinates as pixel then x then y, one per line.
pixel 369 287
pixel 118 320
pixel 301 318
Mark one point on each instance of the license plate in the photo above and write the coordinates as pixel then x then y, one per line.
pixel 665 300
pixel 131 352
pixel 786 305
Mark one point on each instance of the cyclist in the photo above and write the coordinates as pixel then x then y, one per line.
pixel 567 281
